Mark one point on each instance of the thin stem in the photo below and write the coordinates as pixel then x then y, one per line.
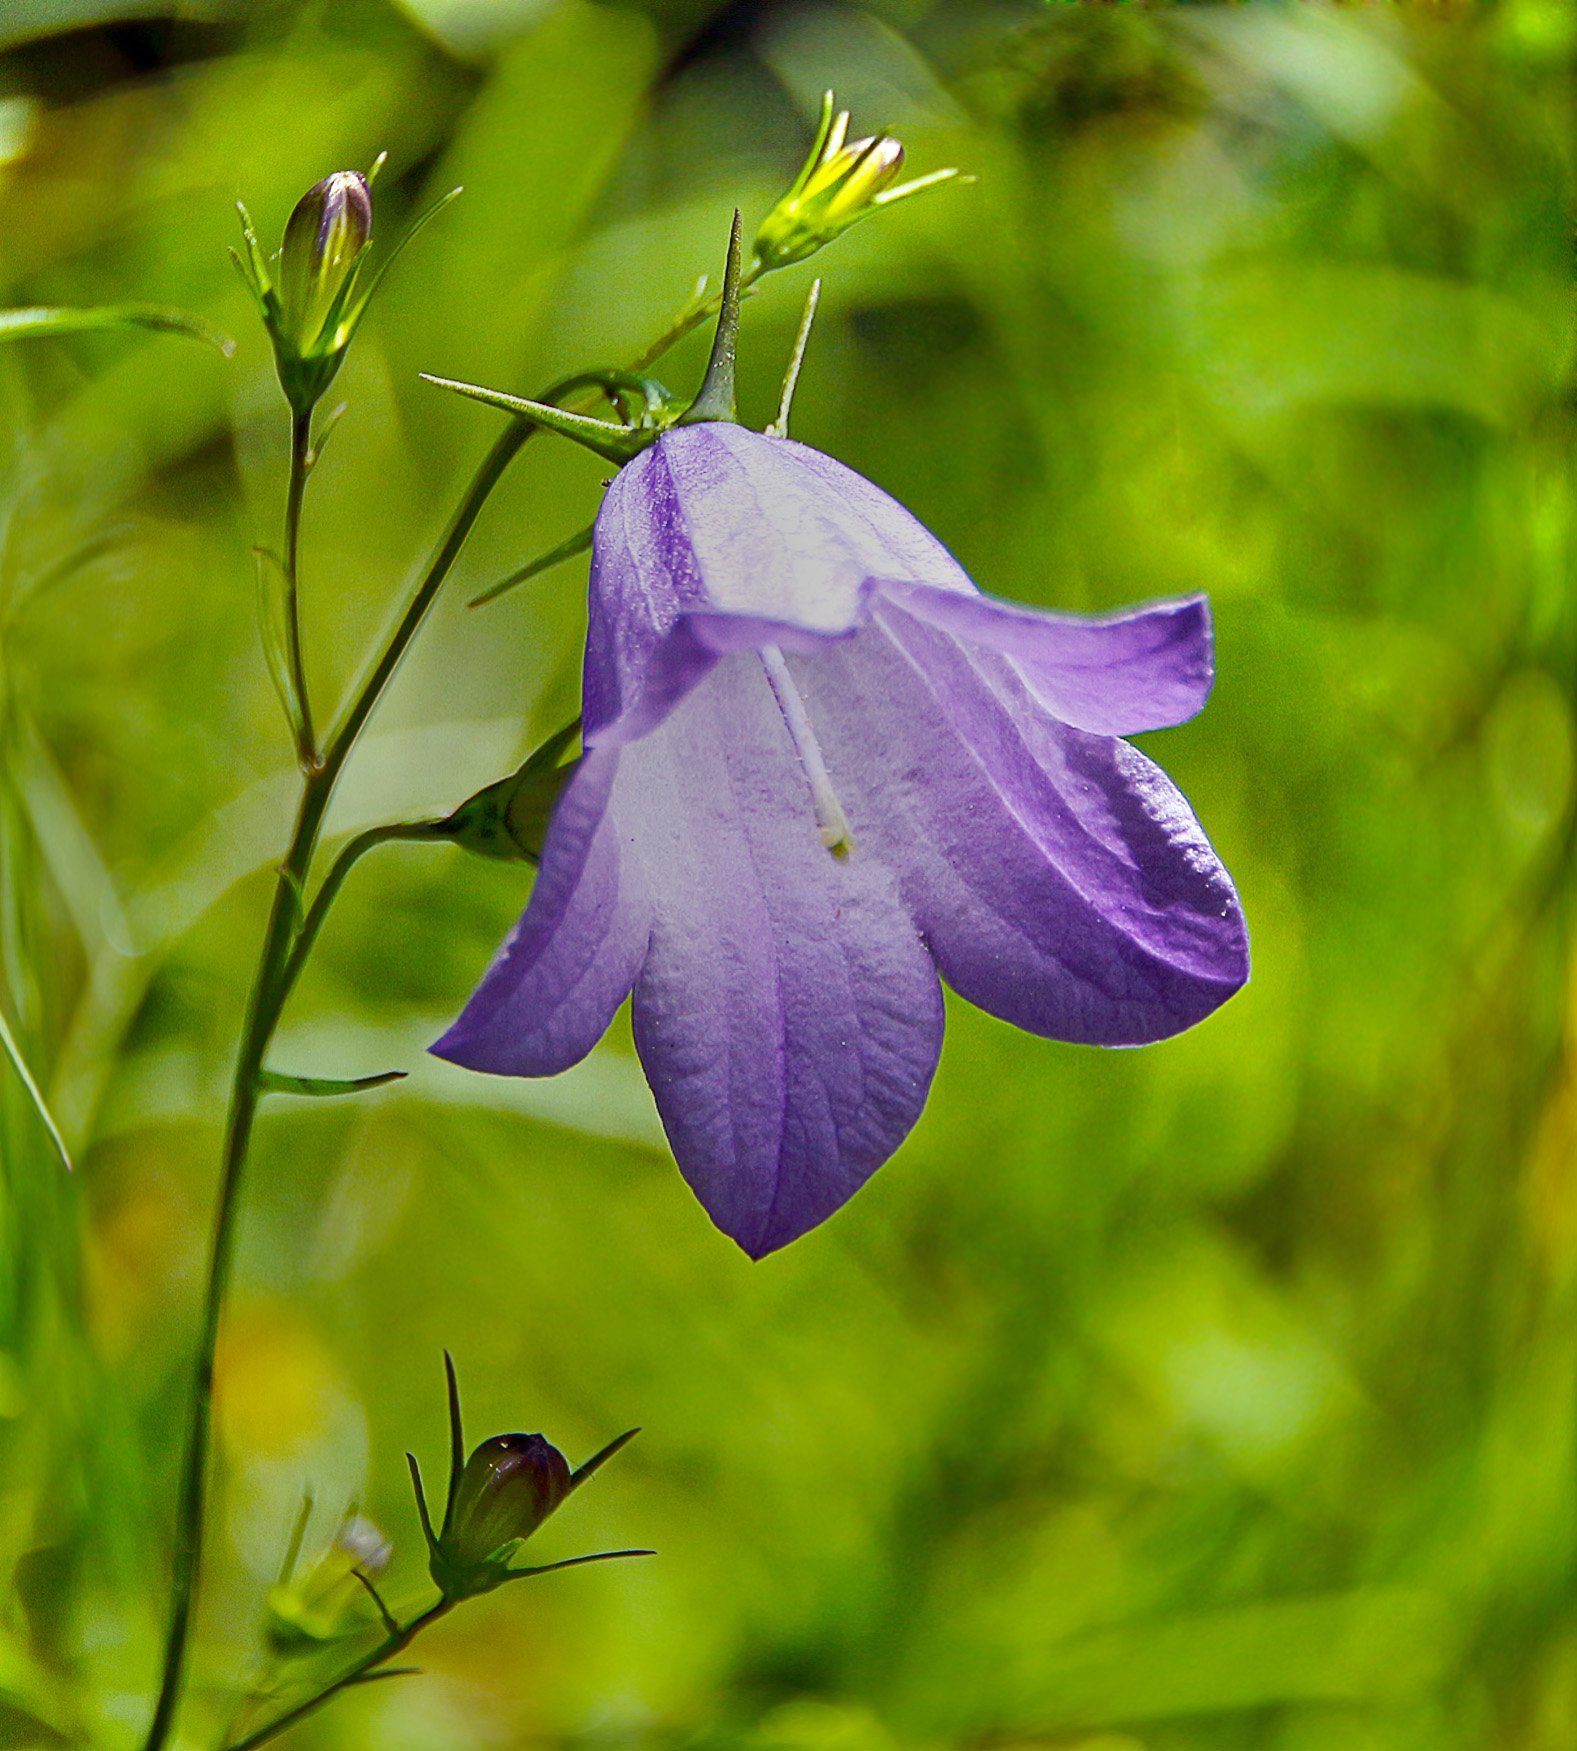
pixel 395 1642
pixel 349 856
pixel 262 1016
pixel 277 970
pixel 300 467
pixel 279 965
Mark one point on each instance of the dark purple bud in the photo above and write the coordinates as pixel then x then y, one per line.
pixel 509 1486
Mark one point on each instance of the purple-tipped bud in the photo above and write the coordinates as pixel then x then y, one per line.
pixel 509 1486
pixel 324 241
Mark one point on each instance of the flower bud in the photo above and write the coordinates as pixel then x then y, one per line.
pixel 324 240
pixel 838 185
pixel 509 1486
pixel 306 1611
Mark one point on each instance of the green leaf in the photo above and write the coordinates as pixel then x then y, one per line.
pixel 35 1094
pixel 323 1087
pixel 273 625
pixel 577 543
pixel 42 319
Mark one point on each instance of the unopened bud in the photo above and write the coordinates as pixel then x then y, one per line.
pixel 509 1486
pixel 838 185
pixel 324 240
pixel 306 1611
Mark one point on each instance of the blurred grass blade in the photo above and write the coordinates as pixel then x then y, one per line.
pixel 13 1051
pixel 44 319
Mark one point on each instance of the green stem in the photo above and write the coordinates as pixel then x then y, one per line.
pixel 278 966
pixel 349 856
pixel 286 943
pixel 396 1642
pixel 300 468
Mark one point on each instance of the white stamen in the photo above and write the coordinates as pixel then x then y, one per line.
pixel 830 818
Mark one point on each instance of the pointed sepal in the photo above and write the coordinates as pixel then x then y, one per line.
pixel 614 443
pixel 716 400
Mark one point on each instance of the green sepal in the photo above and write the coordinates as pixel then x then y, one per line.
pixel 352 321
pixel 614 443
pixel 421 1506
pixel 599 1459
pixel 571 1562
pixel 715 402
pixel 324 1087
pixel 57 319
pixel 508 820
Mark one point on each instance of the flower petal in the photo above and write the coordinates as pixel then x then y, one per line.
pixel 788 1016
pixel 717 517
pixel 571 960
pixel 1060 879
pixel 686 654
pixel 1145 669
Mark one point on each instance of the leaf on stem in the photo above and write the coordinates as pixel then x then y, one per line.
pixel 577 543
pixel 324 1087
pixel 273 585
pixel 56 319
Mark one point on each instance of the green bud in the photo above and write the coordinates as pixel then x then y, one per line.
pixel 324 240
pixel 305 1612
pixel 838 185
pixel 509 1486
pixel 509 819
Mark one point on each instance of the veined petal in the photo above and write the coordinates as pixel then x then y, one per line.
pixel 1059 878
pixel 1145 669
pixel 788 1016
pixel 686 654
pixel 716 517
pixel 571 960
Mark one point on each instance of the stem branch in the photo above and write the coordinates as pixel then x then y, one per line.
pixel 395 1642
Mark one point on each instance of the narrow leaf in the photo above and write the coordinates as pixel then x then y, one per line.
pixel 34 1093
pixel 272 620
pixel 320 1087
pixel 19 324
pixel 385 1672
pixel 577 543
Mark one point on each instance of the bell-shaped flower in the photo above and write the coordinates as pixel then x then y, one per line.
pixel 820 770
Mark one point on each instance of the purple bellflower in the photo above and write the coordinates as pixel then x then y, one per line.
pixel 820 770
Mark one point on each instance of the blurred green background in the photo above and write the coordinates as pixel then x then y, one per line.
pixel 1220 1394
